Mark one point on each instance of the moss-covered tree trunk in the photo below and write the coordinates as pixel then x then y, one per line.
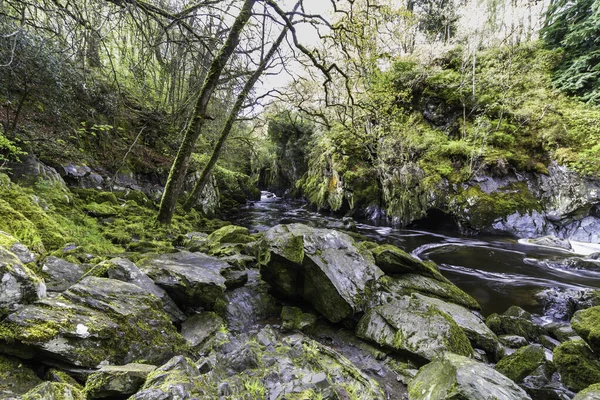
pixel 182 160
pixel 239 102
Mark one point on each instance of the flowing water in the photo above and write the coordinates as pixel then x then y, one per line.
pixel 497 271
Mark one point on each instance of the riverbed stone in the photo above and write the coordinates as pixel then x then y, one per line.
pixel 191 279
pixel 592 392
pixel 320 266
pixel 561 303
pixel 522 362
pixel 454 376
pixel 293 319
pixel 18 284
pixel 392 260
pixel 473 325
pixel 53 391
pixel 578 366
pixel 125 270
pixel 96 321
pixel 198 329
pixel 513 341
pixel 408 284
pixel 15 378
pixel 587 325
pixel 514 321
pixel 414 326
pixel 59 274
pixel 117 380
pixel 551 241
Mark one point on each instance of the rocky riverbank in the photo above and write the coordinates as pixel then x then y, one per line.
pixel 292 313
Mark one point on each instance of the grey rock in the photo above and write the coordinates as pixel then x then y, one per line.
pixel 23 253
pixel 561 303
pixel 592 392
pixel 515 321
pixel 551 241
pixel 117 380
pixel 293 319
pixel 15 378
pixel 18 284
pixel 95 321
pixel 243 307
pixel 59 274
pixel 30 170
pixel 513 341
pixel 126 271
pixel 53 391
pixel 457 377
pixel 320 266
pixel 415 326
pixel 198 329
pixel 191 279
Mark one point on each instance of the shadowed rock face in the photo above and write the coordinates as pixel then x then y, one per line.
pixel 320 266
pixel 18 284
pixel 95 320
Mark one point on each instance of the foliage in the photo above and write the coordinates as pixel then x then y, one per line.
pixel 574 27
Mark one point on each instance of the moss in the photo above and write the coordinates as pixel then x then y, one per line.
pixel 513 325
pixel 56 375
pixel 522 362
pixel 483 208
pixel 101 210
pixel 15 377
pixel 55 391
pixel 231 234
pixel 589 393
pixel 7 241
pixel 577 364
pixel 587 325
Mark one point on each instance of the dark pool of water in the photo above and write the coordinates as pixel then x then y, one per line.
pixel 494 270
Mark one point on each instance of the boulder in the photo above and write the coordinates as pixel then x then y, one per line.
pixel 117 380
pixel 191 279
pixel 320 266
pixel 522 362
pixel 392 260
pixel 243 307
pixel 412 283
pixel 514 321
pixel 561 303
pixel 18 284
pixel 177 379
pixel 293 319
pixel 59 275
pixel 592 392
pixel 15 378
pixel 457 377
pixel 124 270
pixel 473 325
pixel 96 321
pixel 578 366
pixel 587 325
pixel 414 326
pixel 23 253
pixel 53 391
pixel 198 329
pixel 513 341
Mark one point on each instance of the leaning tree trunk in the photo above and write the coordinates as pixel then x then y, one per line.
pixel 182 160
pixel 239 102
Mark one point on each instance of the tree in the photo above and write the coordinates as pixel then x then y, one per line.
pixel 182 160
pixel 574 27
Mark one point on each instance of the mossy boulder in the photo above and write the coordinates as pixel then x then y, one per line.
pixel 472 324
pixel 392 260
pixel 60 274
pixel 96 321
pixel 117 380
pixel 457 377
pixel 18 284
pixel 592 392
pixel 320 266
pixel 293 319
pixel 198 329
pixel 125 270
pixel 578 366
pixel 15 377
pixel 515 321
pixel 408 284
pixel 54 391
pixel 414 326
pixel 587 325
pixel 191 279
pixel 230 234
pixel 522 362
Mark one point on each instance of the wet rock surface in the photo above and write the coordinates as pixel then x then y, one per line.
pixel 59 274
pixel 18 284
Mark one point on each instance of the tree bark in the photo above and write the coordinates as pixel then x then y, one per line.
pixel 182 160
pixel 239 102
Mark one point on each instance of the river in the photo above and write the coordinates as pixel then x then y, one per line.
pixel 497 271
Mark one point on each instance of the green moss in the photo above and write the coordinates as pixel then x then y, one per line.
pixel 522 362
pixel 587 325
pixel 15 377
pixel 231 234
pixel 577 364
pixel 590 393
pixel 55 391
